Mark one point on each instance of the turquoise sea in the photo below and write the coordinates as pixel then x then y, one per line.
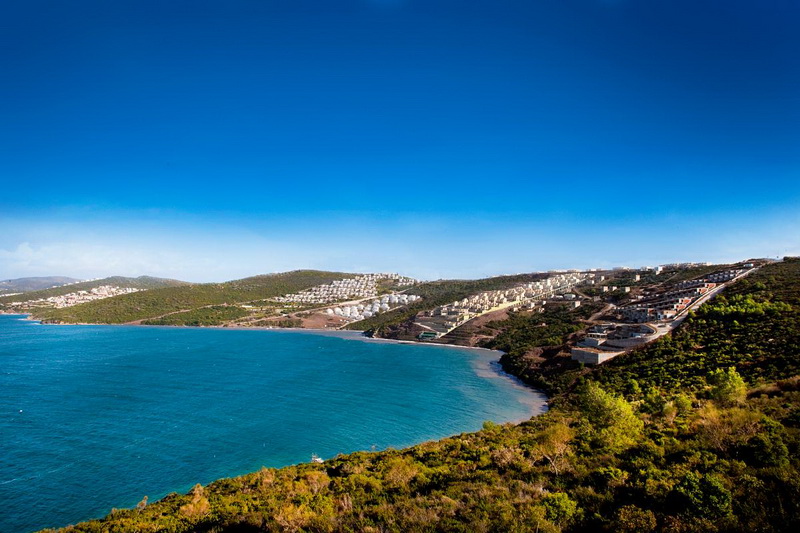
pixel 95 417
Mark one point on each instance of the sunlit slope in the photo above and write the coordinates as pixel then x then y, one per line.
pixel 436 293
pixel 697 432
pixel 141 283
pixel 157 302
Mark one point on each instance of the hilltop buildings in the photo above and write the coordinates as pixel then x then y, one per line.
pixel 357 288
pixel 361 311
pixel 446 318
pixel 668 305
pixel 75 298
pixel 639 319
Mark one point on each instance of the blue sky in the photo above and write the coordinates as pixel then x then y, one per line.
pixel 213 140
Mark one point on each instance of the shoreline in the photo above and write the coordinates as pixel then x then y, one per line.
pixel 501 361
pixel 484 364
pixel 495 364
pixel 353 334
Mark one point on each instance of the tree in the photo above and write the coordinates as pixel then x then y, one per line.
pixel 632 388
pixel 654 401
pixel 704 496
pixel 683 404
pixel 634 520
pixel 552 443
pixel 768 448
pixel 291 517
pixel 727 386
pixel 609 421
pixel 559 508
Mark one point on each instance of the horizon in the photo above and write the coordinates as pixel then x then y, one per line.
pixel 207 142
pixel 500 274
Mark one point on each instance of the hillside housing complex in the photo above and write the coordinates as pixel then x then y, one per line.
pixel 446 318
pixel 361 311
pixel 357 288
pixel 75 298
pixel 651 317
pixel 667 305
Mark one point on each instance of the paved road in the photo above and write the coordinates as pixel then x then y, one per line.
pixel 663 329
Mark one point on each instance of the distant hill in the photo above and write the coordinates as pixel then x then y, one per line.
pixel 34 283
pixel 160 301
pixel 142 282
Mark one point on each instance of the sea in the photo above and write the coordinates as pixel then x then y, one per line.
pixel 97 417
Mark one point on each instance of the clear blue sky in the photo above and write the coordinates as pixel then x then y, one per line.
pixel 208 140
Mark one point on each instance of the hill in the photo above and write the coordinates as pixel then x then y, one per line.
pixel 697 432
pixel 395 324
pixel 398 324
pixel 185 298
pixel 34 283
pixel 141 283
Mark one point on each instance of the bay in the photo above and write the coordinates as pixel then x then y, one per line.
pixel 96 417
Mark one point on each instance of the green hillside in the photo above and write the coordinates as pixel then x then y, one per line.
pixel 157 302
pixel 434 294
pixel 212 315
pixel 393 324
pixel 754 326
pixel 142 282
pixel 697 433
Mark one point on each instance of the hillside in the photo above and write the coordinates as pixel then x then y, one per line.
pixel 161 301
pixel 33 284
pixel 141 283
pixel 698 432
pixel 395 324
pixel 754 326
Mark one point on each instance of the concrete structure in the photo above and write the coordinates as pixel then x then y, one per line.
pixel 604 342
pixel 592 356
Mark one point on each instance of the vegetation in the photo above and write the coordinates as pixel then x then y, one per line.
pixel 33 284
pixel 524 331
pixel 153 304
pixel 142 282
pixel 754 328
pixel 597 462
pixel 434 294
pixel 699 432
pixel 535 344
pixel 205 316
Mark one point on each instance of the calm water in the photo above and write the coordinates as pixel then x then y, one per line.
pixel 95 417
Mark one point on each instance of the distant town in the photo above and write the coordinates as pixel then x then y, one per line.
pixel 73 298
pixel 625 307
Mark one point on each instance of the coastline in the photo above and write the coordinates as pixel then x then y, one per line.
pixel 495 364
pixel 485 364
pixel 353 334
pixel 341 333
pixel 498 363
